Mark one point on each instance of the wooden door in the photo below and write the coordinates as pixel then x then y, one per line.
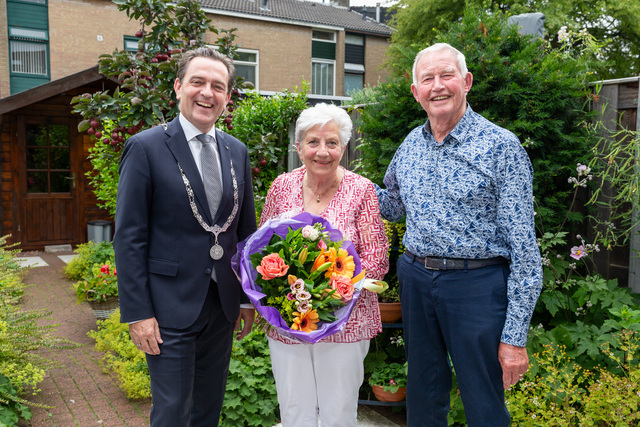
pixel 48 201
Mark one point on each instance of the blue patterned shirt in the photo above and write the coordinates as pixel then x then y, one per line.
pixel 470 196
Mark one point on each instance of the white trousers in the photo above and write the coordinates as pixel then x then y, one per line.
pixel 318 379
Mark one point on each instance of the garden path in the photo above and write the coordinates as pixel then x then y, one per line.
pixel 79 391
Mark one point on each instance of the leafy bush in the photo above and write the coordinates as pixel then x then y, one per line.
pixel 88 255
pixel 104 176
pixel 560 392
pixel 250 398
pixel 122 356
pixel 98 285
pixel 263 124
pixel 21 367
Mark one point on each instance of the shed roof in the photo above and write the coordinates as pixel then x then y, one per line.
pixel 53 88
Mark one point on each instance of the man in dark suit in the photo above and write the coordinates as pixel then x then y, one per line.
pixel 181 209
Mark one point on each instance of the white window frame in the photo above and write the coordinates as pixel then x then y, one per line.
pixel 333 83
pixel 256 64
pixel 17 67
pixel 331 40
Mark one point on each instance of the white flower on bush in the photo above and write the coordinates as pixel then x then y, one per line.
pixel 563 34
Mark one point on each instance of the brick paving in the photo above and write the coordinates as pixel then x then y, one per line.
pixel 79 391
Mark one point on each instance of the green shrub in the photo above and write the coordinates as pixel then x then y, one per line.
pixel 122 356
pixel 22 368
pixel 88 255
pixel 250 398
pixel 262 123
pixel 615 399
pixel 98 285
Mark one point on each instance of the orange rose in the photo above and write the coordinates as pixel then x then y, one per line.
pixel 272 266
pixel 343 286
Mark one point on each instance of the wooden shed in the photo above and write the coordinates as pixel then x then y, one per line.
pixel 46 198
pixel 620 99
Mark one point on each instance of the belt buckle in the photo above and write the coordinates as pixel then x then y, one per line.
pixel 444 264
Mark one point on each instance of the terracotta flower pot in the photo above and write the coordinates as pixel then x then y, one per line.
pixel 387 396
pixel 390 312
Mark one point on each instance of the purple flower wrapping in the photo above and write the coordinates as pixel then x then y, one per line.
pixel 247 274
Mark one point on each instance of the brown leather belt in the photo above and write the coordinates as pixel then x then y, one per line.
pixel 438 263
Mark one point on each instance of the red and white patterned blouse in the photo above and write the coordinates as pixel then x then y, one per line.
pixel 355 212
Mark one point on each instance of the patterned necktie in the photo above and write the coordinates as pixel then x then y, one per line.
pixel 210 173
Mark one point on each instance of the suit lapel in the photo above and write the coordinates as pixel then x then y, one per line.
pixel 226 203
pixel 177 143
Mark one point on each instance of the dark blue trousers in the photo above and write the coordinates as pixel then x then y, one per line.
pixel 458 314
pixel 189 376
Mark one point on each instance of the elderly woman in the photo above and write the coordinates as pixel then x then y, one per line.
pixel 324 378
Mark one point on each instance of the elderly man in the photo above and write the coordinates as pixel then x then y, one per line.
pixel 471 274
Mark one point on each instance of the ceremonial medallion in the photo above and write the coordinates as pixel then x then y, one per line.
pixel 216 252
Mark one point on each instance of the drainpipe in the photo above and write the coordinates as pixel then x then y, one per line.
pixel 377 12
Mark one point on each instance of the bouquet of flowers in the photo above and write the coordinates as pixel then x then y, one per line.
pixel 301 275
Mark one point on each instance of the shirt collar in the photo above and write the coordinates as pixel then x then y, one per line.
pixel 458 132
pixel 190 131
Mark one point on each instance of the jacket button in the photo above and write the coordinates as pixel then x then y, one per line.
pixel 207 272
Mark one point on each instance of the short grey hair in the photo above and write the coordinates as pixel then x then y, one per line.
pixel 207 52
pixel 462 63
pixel 321 114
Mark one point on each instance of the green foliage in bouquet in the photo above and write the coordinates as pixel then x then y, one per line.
pixel 88 254
pixel 305 276
pixel 98 285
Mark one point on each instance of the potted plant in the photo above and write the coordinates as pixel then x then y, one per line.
pixel 389 300
pixel 389 303
pixel 99 289
pixel 389 382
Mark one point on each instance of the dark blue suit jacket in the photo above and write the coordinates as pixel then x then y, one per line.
pixel 162 252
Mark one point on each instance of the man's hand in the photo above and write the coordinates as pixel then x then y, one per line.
pixel 146 335
pixel 248 315
pixel 514 361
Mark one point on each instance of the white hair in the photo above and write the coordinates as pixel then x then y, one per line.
pixel 462 63
pixel 321 114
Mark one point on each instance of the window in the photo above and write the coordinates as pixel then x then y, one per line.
pixel 131 43
pixel 328 36
pixel 355 39
pixel 247 66
pixel 28 51
pixel 322 77
pixel 323 59
pixel 28 58
pixel 352 82
pixel 48 159
pixel 353 62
